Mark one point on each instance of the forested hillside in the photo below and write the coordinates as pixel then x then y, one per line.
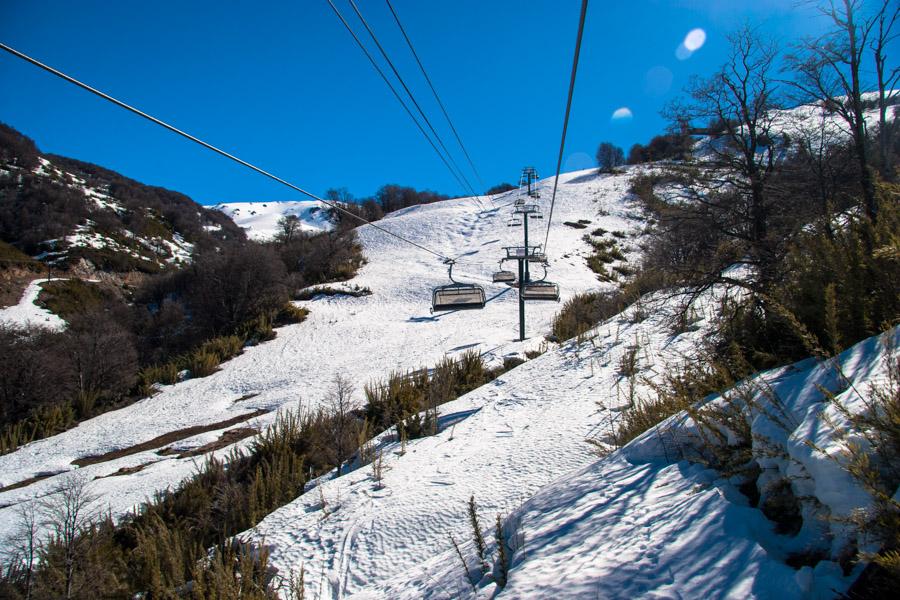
pixel 153 288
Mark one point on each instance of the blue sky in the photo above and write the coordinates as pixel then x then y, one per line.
pixel 282 85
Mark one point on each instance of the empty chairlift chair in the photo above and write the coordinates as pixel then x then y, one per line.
pixel 457 296
pixel 503 276
pixel 541 289
pixel 530 253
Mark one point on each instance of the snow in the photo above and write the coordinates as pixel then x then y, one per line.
pixel 364 338
pixel 28 314
pixel 511 438
pixel 637 523
pixel 260 219
pixel 630 525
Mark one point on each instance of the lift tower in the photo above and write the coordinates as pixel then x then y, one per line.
pixel 526 209
pixel 528 187
pixel 528 180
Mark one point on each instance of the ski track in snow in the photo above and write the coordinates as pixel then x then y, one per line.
pixel 523 431
pixel 363 338
pixel 637 525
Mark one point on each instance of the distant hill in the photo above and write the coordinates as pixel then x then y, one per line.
pixel 260 219
pixel 61 211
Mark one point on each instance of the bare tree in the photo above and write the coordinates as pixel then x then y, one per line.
pixel 97 371
pixel 609 156
pixel 230 287
pixel 288 225
pixel 821 169
pixel 731 190
pixel 829 70
pixel 340 406
pixel 22 549
pixel 885 20
pixel 69 512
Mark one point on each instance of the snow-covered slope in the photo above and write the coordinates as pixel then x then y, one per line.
pixel 260 219
pixel 363 338
pixel 501 443
pixel 634 524
pixel 638 523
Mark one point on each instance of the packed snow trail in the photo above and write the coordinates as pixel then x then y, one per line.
pixel 362 338
pixel 28 314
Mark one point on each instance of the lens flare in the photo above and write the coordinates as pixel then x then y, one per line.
pixel 622 114
pixel 658 81
pixel 693 41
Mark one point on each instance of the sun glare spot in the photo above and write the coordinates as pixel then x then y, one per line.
pixel 622 114
pixel 693 41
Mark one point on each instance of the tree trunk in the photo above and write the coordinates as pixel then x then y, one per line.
pixel 859 127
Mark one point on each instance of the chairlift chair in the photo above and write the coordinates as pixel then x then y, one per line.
pixel 457 295
pixel 531 253
pixel 541 289
pixel 503 276
pixel 514 223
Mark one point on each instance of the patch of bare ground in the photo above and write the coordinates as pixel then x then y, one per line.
pixel 29 481
pixel 13 281
pixel 226 439
pixel 165 439
pixel 127 470
pixel 246 397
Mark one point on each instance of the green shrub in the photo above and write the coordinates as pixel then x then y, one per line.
pixel 403 396
pixel 72 297
pixel 291 315
pixel 43 422
pixel 583 311
pixel 225 347
pixel 257 330
pixel 85 402
pixel 166 374
pixel 511 362
pixel 202 363
pixel 680 389
pixel 10 255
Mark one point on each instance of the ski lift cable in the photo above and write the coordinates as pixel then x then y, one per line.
pixel 436 96
pixel 467 186
pixel 209 146
pixel 396 94
pixel 562 142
